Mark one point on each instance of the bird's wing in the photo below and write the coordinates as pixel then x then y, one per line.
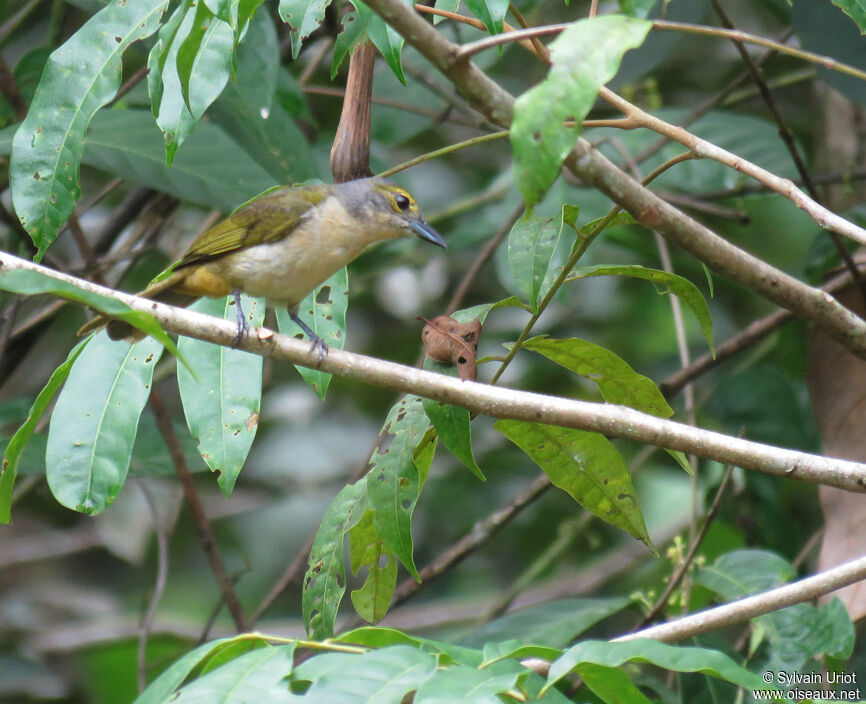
pixel 269 217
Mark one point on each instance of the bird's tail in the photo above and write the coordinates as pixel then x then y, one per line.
pixel 162 291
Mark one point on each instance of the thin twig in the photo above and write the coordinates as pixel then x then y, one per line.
pixel 12 23
pixel 696 543
pixel 292 572
pixel 163 422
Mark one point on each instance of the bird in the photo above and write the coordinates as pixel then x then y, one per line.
pixel 283 244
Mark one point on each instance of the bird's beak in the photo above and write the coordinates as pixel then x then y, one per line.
pixel 425 232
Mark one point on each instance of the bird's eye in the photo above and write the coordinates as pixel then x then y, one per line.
pixel 402 201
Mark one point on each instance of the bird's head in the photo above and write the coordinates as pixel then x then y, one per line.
pixel 388 209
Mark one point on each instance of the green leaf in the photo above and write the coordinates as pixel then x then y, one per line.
pixel 394 481
pixel 222 405
pixel 354 31
pixel 466 684
pixel 610 684
pixel 204 60
pixel 584 465
pixel 669 657
pixel 128 144
pixel 383 676
pixel 19 441
pixel 171 111
pixel 79 78
pixel 31 283
pixel 617 381
pixel 682 288
pixel 325 580
pixel 554 625
pixel 258 124
pixel 380 637
pixel 448 6
pixel 368 550
pixel 490 12
pixel 583 58
pixel 856 10
pixel 531 245
pixel 95 420
pixel 258 675
pixel 304 16
pixel 386 40
pixel 453 427
pixel 324 312
pixel 162 687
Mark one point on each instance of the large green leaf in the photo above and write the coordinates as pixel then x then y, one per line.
pixel 212 170
pixel 162 687
pixel 383 676
pixel 682 288
pixel 95 420
pixel 367 549
pixel 79 78
pixel 247 111
pixel 467 684
pixel 583 58
pixel 19 441
pixel 258 675
pixel 324 312
pixel 394 481
pixel 584 465
pixel 222 402
pixel 669 657
pixel 617 381
pixel 325 580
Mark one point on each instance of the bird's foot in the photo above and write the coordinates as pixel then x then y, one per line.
pixel 318 344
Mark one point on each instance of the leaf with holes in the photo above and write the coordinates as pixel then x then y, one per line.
pixel 584 465
pixel 79 78
pixel 325 580
pixel 547 117
pixel 324 312
pixel 394 481
pixel 222 405
pixel 304 16
pixel 616 380
pixel 94 423
pixel 682 288
pixel 366 548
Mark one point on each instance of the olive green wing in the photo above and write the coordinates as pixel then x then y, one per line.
pixel 270 217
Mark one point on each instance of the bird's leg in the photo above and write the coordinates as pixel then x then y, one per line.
pixel 318 342
pixel 243 325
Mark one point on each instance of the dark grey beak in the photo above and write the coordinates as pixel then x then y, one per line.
pixel 425 232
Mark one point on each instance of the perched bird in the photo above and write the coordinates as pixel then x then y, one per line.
pixel 284 243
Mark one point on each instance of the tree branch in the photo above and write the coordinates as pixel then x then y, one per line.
pixel 485 399
pixel 756 605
